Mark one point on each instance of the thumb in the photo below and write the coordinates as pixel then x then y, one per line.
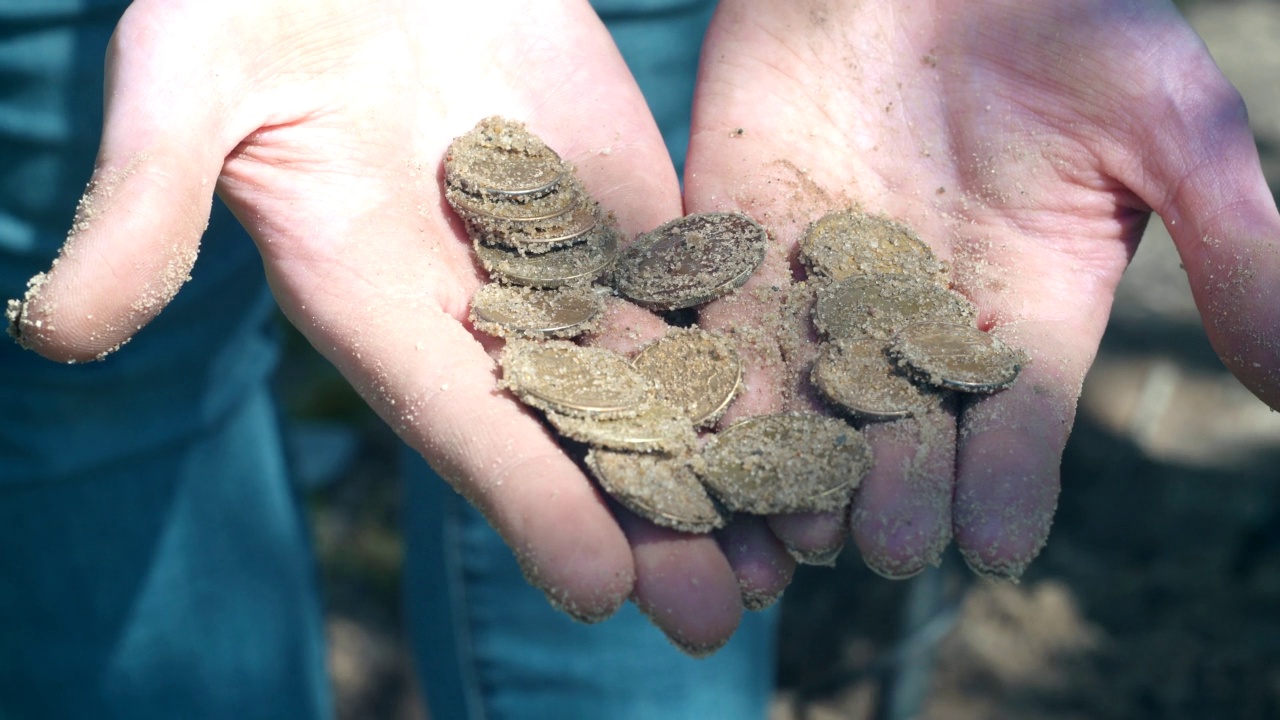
pixel 1205 179
pixel 137 228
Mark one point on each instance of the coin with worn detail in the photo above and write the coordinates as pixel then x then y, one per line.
pixel 663 488
pixel 880 305
pixel 694 370
pixel 691 260
pixel 786 463
pixel 843 244
pixel 957 357
pixel 514 311
pixel 537 237
pixel 501 157
pixel 576 264
pixel 655 427
pixel 541 208
pixel 859 376
pixel 561 377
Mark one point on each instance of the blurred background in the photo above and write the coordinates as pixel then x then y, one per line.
pixel 1158 595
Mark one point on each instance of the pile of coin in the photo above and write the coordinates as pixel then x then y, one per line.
pixel 896 338
pixel 537 232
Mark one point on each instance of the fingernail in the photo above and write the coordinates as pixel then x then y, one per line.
pixel 1008 570
pixel 756 600
pixel 696 650
pixel 825 557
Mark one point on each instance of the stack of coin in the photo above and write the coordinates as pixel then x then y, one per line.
pixel 636 417
pixel 533 227
pixel 543 241
pixel 897 337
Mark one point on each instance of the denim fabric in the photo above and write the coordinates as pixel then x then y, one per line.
pixel 488 646
pixel 176 586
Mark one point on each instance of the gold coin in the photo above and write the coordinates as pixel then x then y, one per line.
pixel 655 427
pixel 957 357
pixel 541 208
pixel 786 463
pixel 662 488
pixel 540 236
pixel 843 244
pixel 576 264
pixel 694 370
pixel 501 157
pixel 880 305
pixel 691 260
pixel 859 376
pixel 513 311
pixel 580 381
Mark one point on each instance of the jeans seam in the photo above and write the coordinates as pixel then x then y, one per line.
pixel 472 693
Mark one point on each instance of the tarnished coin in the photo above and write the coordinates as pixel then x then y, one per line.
pixel 660 487
pixel 576 264
pixel 694 370
pixel 786 463
pixel 514 311
pixel 501 157
pixel 859 376
pixel 537 237
pixel 572 380
pixel 691 260
pixel 880 305
pixel 843 244
pixel 957 357
pixel 655 427
pixel 542 208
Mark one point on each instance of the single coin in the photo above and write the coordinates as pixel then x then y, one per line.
pixel 514 311
pixel 694 370
pixel 786 463
pixel 843 244
pixel 543 207
pixel 655 427
pixel 561 377
pixel 537 237
pixel 501 157
pixel 663 488
pixel 691 260
pixel 576 264
pixel 859 376
pixel 880 305
pixel 957 357
pixel 507 174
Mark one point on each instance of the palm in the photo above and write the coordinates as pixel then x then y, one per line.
pixel 324 126
pixel 1014 137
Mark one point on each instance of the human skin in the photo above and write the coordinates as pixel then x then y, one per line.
pixel 1028 143
pixel 322 125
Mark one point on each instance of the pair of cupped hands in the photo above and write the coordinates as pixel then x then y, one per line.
pixel 1026 141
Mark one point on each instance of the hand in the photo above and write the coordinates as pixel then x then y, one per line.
pixel 322 125
pixel 1027 142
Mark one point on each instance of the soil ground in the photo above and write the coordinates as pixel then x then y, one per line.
pixel 1156 597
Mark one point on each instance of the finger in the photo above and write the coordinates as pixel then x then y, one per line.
pixel 759 561
pixel 1010 446
pixel 684 585
pixel 137 229
pixel 901 516
pixel 1203 176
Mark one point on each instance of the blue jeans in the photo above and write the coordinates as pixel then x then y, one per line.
pixel 179 584
pixel 488 646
